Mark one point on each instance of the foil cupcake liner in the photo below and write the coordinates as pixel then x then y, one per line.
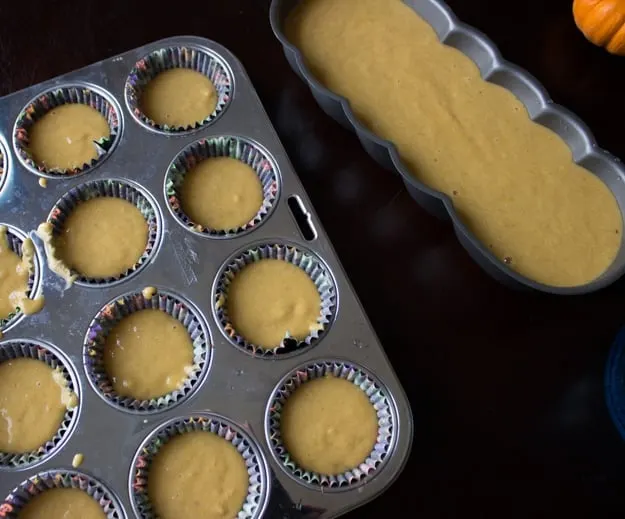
pixel 309 263
pixel 223 146
pixel 201 60
pixel 116 188
pixel 71 94
pixel 23 348
pixel 15 502
pixel 378 396
pixel 15 239
pixel 258 488
pixel 121 307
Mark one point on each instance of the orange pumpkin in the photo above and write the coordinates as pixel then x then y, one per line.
pixel 602 22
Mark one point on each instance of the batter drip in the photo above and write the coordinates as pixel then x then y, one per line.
pixel 14 275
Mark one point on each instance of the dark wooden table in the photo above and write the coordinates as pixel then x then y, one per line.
pixel 506 387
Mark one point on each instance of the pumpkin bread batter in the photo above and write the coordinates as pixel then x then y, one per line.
pixel 221 193
pixel 62 503
pixel 270 298
pixel 102 237
pixel 33 401
pixel 45 232
pixel 178 97
pixel 199 475
pixel 14 274
pixel 328 425
pixel 512 181
pixel 148 354
pixel 64 138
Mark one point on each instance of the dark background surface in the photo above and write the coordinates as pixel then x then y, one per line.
pixel 506 387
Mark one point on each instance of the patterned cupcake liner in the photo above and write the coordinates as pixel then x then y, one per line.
pixel 223 146
pixel 71 94
pixel 26 348
pixel 15 239
pixel 259 484
pixel 52 479
pixel 378 396
pixel 121 307
pixel 305 260
pixel 117 188
pixel 201 60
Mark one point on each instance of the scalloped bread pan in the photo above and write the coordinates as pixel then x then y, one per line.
pixel 496 70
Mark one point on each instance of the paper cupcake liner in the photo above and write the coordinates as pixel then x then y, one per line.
pixel 125 305
pixel 52 479
pixel 201 60
pixel 15 240
pixel 378 396
pixel 75 94
pixel 309 263
pixel 258 488
pixel 113 188
pixel 224 146
pixel 20 348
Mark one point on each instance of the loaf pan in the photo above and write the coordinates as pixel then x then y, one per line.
pixel 494 68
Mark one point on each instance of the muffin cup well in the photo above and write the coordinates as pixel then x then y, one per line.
pixel 116 188
pixel 305 260
pixel 15 239
pixel 237 148
pixel 201 60
pixel 52 479
pixel 380 399
pixel 259 484
pixel 119 308
pixel 44 103
pixel 25 348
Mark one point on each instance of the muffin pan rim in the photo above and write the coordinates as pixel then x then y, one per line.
pixel 436 202
pixel 103 92
pixel 254 143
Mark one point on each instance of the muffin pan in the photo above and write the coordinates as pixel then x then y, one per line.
pixel 233 387
pixel 493 68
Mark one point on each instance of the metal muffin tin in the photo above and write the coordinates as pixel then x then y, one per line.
pixel 234 386
pixel 494 68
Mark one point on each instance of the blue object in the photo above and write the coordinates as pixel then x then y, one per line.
pixel 615 382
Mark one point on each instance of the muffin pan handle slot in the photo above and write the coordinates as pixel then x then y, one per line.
pixel 302 217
